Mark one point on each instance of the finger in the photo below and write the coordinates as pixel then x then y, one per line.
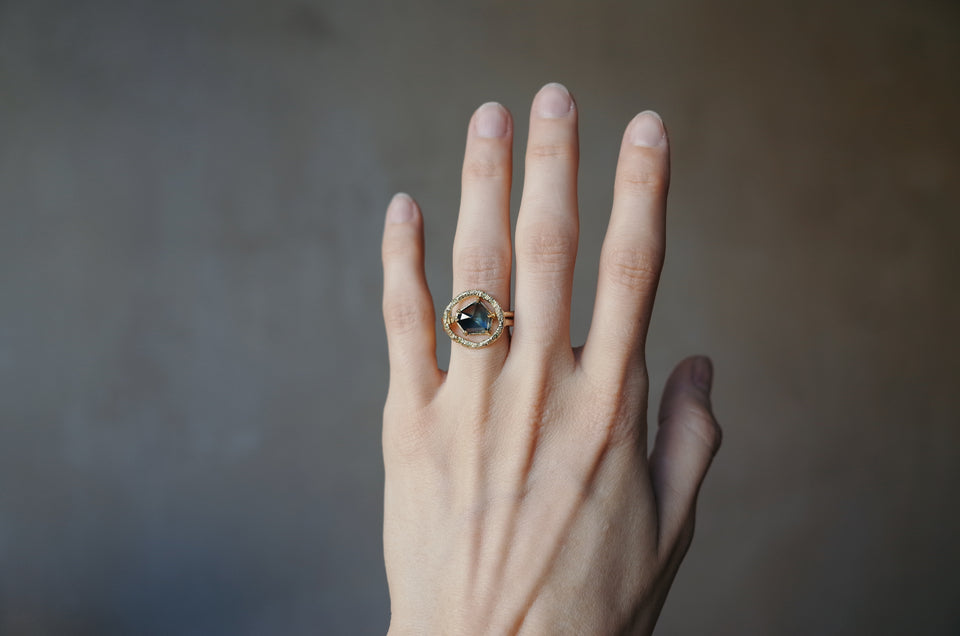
pixel 632 253
pixel 547 226
pixel 481 248
pixel 407 305
pixel 687 440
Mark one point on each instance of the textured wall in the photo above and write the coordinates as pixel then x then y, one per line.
pixel 191 359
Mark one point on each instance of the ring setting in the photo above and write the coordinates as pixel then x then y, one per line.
pixel 475 319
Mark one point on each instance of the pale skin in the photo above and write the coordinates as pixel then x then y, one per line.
pixel 520 494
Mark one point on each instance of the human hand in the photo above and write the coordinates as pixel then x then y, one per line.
pixel 519 495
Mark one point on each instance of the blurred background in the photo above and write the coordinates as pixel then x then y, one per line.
pixel 192 365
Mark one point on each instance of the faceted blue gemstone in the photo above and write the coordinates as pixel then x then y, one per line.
pixel 475 319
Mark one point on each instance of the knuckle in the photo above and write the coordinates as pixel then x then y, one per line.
pixel 405 317
pixel 548 248
pixel 548 151
pixel 482 266
pixel 645 181
pixel 396 247
pixel 632 268
pixel 700 423
pixel 642 175
pixel 483 169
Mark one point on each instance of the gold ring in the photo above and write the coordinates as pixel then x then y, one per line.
pixel 475 319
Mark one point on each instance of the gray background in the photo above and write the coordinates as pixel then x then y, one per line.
pixel 192 366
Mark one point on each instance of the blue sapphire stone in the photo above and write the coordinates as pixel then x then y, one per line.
pixel 474 319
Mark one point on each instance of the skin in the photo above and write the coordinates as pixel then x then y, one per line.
pixel 520 495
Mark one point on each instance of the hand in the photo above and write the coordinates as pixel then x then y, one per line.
pixel 519 494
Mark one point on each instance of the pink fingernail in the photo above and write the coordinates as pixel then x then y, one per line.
pixel 400 209
pixel 646 129
pixel 553 101
pixel 491 120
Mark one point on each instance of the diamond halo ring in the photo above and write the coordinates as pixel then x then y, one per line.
pixel 475 319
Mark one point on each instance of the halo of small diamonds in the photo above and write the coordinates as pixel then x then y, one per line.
pixel 459 317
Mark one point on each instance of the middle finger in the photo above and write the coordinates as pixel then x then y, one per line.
pixel 547 227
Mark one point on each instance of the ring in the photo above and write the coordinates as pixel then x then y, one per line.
pixel 475 319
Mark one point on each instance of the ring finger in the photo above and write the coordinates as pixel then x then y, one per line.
pixel 481 247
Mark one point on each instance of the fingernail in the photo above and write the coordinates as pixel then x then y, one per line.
pixel 646 129
pixel 400 209
pixel 553 101
pixel 491 120
pixel 703 373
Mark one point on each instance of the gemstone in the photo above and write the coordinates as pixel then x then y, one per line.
pixel 475 318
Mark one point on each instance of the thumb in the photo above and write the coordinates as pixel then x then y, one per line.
pixel 687 439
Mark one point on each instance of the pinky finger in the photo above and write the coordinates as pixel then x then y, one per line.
pixel 407 305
